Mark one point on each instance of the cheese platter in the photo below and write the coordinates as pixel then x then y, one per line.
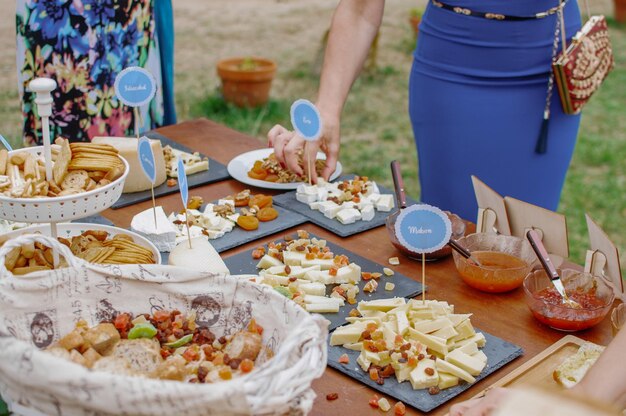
pixel 216 172
pixel 323 205
pixel 388 282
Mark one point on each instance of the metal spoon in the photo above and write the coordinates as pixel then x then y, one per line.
pixel 463 251
pixel 542 254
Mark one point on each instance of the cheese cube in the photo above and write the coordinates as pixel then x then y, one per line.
pixel 322 276
pixel 322 307
pixel 367 212
pixel 470 348
pixel 267 262
pixel 457 318
pixel 363 362
pixel 447 380
pixel 348 274
pixel 385 203
pixel 347 334
pixel 465 330
pixel 383 305
pixel 357 346
pixel 418 377
pixel 478 339
pixel 329 208
pixel 293 258
pixel 306 198
pixel 313 288
pixel 446 332
pixel 481 356
pixel 348 216
pixel 468 363
pixel 403 371
pixel 445 366
pixel 315 205
pixel 428 326
pixel 434 343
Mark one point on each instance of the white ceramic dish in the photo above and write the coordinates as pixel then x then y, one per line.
pixel 238 168
pixel 68 230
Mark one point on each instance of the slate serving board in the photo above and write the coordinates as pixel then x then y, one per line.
pixel 95 219
pixel 286 219
pixel 243 263
pixel 499 353
pixel 289 201
pixel 217 172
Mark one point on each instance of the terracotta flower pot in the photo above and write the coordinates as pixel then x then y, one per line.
pixel 415 22
pixel 246 82
pixel 620 10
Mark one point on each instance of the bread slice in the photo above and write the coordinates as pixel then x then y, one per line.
pixel 574 367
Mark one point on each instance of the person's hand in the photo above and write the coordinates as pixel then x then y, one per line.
pixel 483 406
pixel 287 144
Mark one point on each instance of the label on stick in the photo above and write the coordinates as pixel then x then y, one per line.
pixel 423 228
pixel 146 158
pixel 182 182
pixel 306 120
pixel 135 86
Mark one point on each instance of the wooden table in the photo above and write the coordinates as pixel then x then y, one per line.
pixel 504 315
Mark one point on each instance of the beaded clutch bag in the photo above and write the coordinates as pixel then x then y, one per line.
pixel 583 65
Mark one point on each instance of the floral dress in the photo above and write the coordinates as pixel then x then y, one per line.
pixel 83 45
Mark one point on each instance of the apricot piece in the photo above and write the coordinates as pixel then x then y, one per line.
pixel 267 214
pixel 247 222
pixel 254 175
pixel 260 201
pixel 272 177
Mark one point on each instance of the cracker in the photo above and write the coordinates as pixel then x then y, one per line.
pixel 76 179
pixel 4 157
pixel 59 170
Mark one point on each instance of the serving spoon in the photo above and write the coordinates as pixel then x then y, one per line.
pixel 544 259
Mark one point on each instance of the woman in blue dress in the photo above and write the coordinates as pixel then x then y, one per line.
pixel 478 93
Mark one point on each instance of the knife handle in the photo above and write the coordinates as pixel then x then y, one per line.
pixel 398 183
pixel 542 254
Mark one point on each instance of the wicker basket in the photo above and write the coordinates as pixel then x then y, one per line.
pixel 64 208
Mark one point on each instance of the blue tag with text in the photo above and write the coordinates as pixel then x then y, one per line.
pixel 182 182
pixel 146 158
pixel 135 86
pixel 306 120
pixel 423 228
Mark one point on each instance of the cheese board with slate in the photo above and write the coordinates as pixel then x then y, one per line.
pixel 288 200
pixel 499 353
pixel 238 236
pixel 243 263
pixel 217 172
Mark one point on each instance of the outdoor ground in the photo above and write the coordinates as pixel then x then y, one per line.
pixel 375 127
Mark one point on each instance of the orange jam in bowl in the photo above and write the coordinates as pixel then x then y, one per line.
pixel 504 262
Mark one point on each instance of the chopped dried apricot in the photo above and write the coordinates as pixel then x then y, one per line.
pixel 258 253
pixel 272 177
pixel 373 374
pixel 333 271
pixel 260 201
pixel 248 222
pixel 332 396
pixel 246 365
pixel 225 373
pixel 366 275
pixel 242 202
pixel 374 401
pixel 371 326
pixel 267 214
pixel 260 176
pixel 344 359
pixel 399 409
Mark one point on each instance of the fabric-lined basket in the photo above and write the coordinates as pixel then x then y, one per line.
pixel 38 309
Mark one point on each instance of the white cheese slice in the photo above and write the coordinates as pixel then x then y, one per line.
pixel 293 258
pixel 347 334
pixel 321 307
pixel 268 261
pixel 428 326
pixel 420 379
pixel 313 288
pixel 434 343
pixel 201 256
pixel 468 363
pixel 382 305
pixel 443 365
pixel 348 274
pixel 306 198
pixel 447 380
pixel 348 216
pixel 162 235
pixel 323 264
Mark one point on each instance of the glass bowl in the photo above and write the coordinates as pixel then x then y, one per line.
pixel 458 231
pixel 591 292
pixel 505 261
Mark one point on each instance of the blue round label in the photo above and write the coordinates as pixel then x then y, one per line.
pixel 306 120
pixel 423 228
pixel 182 182
pixel 135 86
pixel 146 158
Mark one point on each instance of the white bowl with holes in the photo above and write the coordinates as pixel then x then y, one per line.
pixel 69 230
pixel 61 208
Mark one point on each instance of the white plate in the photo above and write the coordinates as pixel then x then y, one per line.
pixel 238 168
pixel 69 230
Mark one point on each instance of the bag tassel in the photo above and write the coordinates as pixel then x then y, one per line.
pixel 542 141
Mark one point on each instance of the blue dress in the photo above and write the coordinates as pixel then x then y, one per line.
pixel 477 95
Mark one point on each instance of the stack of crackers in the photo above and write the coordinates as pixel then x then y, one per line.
pixel 93 246
pixel 78 167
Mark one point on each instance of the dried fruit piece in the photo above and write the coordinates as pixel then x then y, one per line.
pixel 374 401
pixel 388 272
pixel 434 390
pixel 260 201
pixel 246 365
pixel 399 409
pixel 344 359
pixel 370 286
pixel 267 214
pixel 332 396
pixel 383 404
pixel 394 261
pixel 247 222
pixel 389 286
pixel 260 175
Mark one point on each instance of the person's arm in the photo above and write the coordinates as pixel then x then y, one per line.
pixel 354 26
pixel 606 379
